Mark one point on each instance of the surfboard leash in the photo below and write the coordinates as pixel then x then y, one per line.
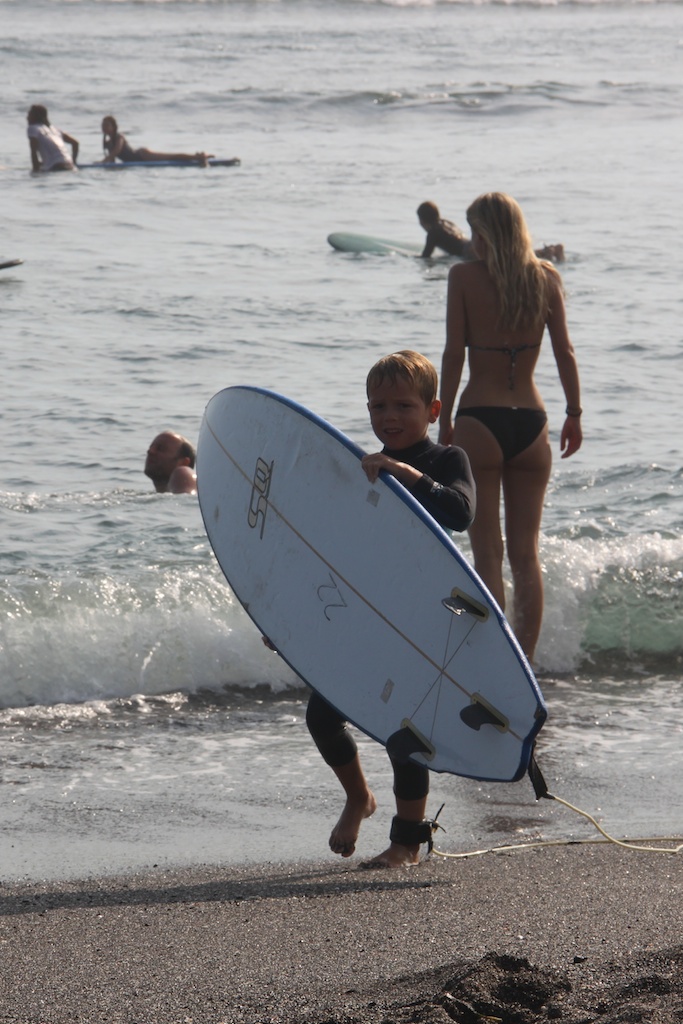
pixel 542 793
pixel 414 833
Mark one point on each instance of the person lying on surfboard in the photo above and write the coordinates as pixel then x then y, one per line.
pixel 402 402
pixel 117 147
pixel 444 234
pixel 170 464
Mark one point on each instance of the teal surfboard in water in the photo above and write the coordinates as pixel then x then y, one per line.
pixel 361 591
pixel 343 241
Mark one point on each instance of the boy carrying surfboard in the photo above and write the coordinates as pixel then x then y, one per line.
pixel 401 391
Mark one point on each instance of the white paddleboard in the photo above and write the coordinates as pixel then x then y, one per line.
pixel 361 591
pixel 346 242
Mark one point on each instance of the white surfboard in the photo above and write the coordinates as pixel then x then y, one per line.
pixel 361 591
pixel 6 264
pixel 346 242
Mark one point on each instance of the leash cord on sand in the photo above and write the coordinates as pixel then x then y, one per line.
pixel 633 845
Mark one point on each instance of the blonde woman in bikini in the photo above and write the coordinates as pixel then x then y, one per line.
pixel 498 309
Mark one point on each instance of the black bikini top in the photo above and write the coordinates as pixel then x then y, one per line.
pixel 509 351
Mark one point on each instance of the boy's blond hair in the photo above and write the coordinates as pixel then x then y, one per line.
pixel 409 366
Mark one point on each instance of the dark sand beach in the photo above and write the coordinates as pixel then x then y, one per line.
pixel 574 934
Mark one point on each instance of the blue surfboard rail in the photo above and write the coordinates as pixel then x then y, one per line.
pixel 120 166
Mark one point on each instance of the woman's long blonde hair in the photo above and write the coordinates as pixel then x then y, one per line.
pixel 523 281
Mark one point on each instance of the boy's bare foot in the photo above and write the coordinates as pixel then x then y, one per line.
pixel 345 833
pixel 396 856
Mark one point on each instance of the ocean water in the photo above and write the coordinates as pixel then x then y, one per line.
pixel 141 719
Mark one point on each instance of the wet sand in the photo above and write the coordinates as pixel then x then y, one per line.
pixel 576 934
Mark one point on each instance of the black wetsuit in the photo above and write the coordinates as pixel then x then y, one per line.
pixel 447 491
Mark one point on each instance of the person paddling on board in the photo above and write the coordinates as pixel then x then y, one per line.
pixel 402 402
pixel 117 147
pixel 170 464
pixel 47 144
pixel 444 234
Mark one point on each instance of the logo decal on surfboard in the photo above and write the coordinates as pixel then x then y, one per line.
pixel 258 502
pixel 333 600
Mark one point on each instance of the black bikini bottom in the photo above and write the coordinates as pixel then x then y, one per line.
pixel 513 429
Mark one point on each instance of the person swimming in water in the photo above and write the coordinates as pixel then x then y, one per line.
pixel 48 145
pixel 445 235
pixel 117 147
pixel 170 464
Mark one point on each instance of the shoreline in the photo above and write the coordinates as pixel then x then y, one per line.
pixel 572 933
